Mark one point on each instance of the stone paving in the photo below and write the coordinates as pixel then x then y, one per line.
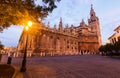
pixel 86 66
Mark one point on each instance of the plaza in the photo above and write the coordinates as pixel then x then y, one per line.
pixel 59 39
pixel 84 66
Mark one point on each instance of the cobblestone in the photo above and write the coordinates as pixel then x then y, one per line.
pixel 86 66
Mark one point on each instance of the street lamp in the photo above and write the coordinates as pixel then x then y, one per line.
pixel 23 68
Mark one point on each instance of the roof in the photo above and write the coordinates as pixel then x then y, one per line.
pixel 111 36
pixel 117 28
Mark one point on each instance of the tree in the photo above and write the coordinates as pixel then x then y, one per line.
pixel 109 47
pixel 117 46
pixel 17 12
pixel 101 48
pixel 1 46
pixel 106 49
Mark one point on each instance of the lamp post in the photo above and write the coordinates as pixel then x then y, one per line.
pixel 23 67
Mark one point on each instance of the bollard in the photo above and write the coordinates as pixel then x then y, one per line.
pixel 9 60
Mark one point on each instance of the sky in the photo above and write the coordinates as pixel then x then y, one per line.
pixel 72 12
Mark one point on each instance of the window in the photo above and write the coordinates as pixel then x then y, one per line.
pixel 67 46
pixel 115 39
pixel 117 31
pixel 67 41
pixel 75 43
pixel 112 41
pixel 71 42
pixel 119 38
pixel 51 37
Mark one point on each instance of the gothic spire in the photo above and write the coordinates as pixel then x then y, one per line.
pixel 60 19
pixel 55 27
pixel 60 24
pixel 48 24
pixel 92 12
pixel 82 23
pixel 91 6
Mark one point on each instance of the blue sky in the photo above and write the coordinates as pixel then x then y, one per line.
pixel 72 12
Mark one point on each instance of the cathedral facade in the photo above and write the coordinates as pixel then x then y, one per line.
pixel 65 40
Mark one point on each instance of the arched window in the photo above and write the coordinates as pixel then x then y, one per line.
pixel 58 38
pixel 51 37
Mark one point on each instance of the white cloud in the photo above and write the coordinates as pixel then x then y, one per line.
pixel 70 11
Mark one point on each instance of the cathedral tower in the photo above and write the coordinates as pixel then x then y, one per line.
pixel 93 22
pixel 82 39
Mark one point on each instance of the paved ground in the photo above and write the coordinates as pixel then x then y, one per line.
pixel 86 66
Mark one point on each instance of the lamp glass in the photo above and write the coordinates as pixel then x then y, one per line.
pixel 26 28
pixel 29 23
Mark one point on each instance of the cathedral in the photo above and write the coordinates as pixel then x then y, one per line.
pixel 66 40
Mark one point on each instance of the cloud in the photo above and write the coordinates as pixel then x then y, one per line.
pixel 70 11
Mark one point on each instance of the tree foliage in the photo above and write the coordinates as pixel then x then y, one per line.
pixel 17 12
pixel 106 48
pixel 111 48
pixel 102 48
pixel 117 45
pixel 1 46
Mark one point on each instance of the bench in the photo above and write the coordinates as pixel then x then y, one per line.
pixel 7 71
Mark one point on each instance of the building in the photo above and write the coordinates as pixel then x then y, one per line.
pixel 65 40
pixel 115 36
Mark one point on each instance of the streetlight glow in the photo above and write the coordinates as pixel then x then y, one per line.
pixel 23 67
pixel 30 23
pixel 26 28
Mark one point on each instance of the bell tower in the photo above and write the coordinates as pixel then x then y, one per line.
pixel 92 13
pixel 93 22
